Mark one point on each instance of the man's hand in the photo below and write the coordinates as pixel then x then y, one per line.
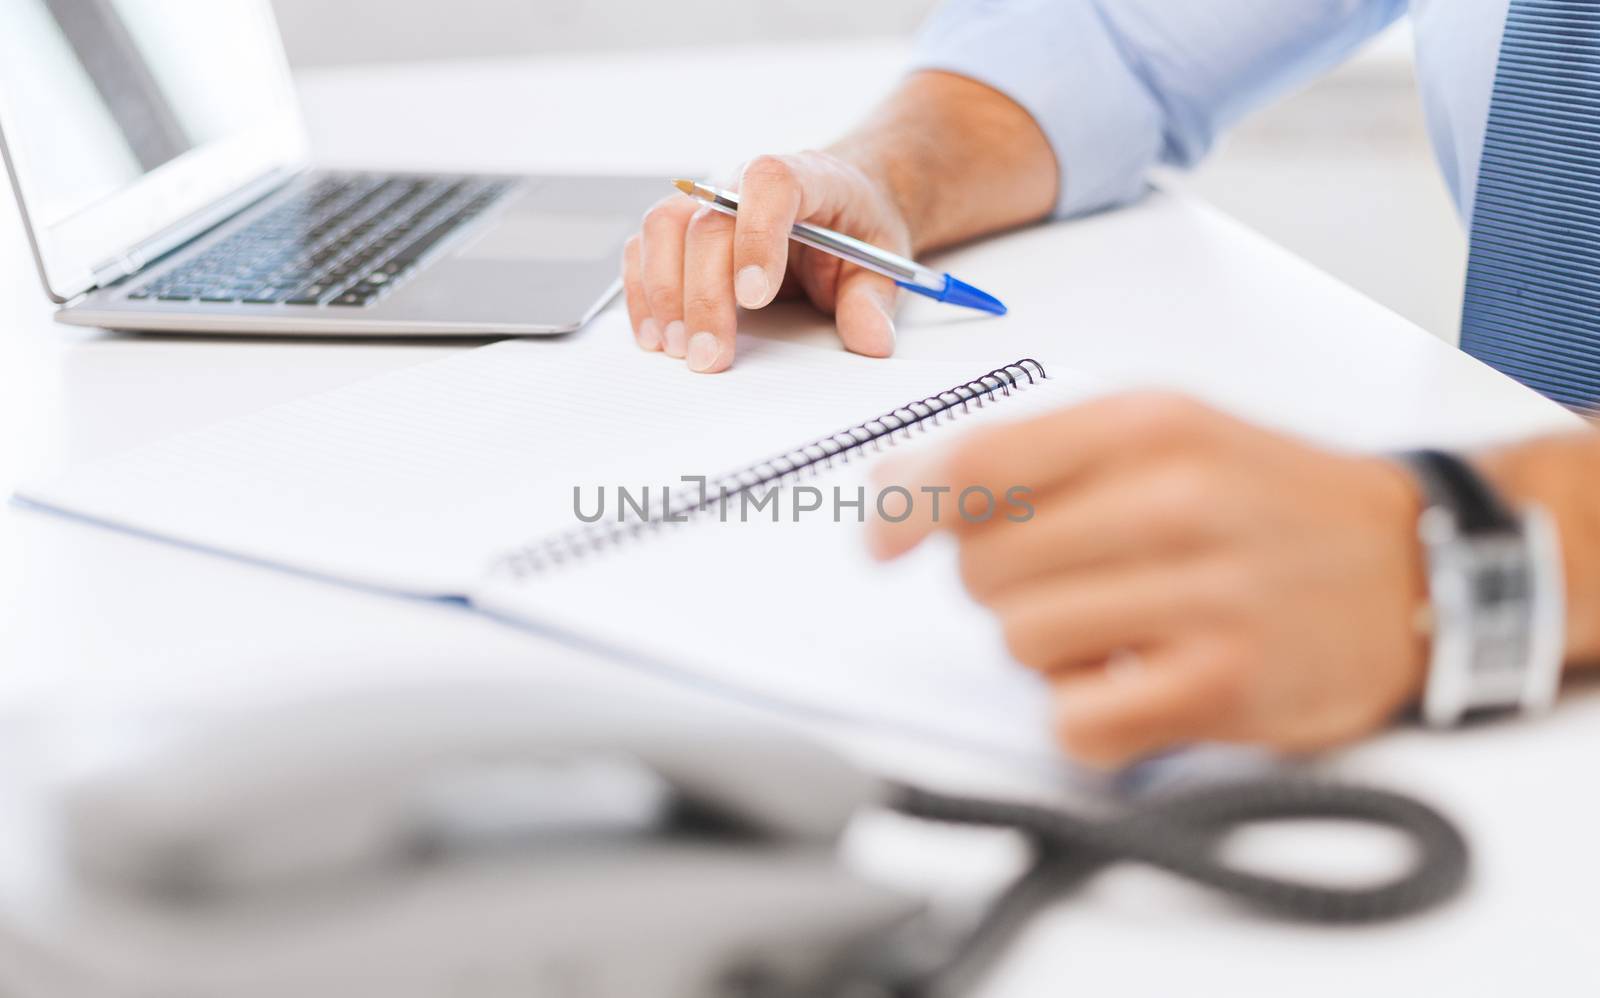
pixel 689 265
pixel 1186 576
pixel 944 159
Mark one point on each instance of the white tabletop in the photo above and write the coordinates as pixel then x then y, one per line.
pixel 1168 293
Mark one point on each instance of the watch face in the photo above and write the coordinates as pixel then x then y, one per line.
pixel 1495 592
pixel 1501 580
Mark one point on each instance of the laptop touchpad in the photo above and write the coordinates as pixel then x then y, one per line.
pixel 524 236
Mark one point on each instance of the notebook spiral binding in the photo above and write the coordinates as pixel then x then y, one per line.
pixel 692 501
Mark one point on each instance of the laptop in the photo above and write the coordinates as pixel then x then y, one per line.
pixel 160 166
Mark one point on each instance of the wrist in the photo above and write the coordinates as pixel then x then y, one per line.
pixel 1400 501
pixel 956 159
pixel 884 162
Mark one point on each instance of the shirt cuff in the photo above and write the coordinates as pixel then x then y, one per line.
pixel 1060 62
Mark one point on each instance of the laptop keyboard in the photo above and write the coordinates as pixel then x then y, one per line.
pixel 342 241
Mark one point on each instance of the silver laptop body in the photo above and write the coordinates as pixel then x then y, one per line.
pixel 160 167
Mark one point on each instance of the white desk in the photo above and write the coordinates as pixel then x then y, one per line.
pixel 1169 293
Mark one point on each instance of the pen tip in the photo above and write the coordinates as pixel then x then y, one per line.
pixel 961 293
pixel 686 186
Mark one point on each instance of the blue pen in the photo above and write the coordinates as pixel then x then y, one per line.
pixel 908 274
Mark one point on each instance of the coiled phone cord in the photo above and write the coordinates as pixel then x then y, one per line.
pixel 1183 835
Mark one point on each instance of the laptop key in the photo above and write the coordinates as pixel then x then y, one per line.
pixel 356 233
pixel 309 296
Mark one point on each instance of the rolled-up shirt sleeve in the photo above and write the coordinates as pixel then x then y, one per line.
pixel 1119 86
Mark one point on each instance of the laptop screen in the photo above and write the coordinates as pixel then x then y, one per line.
pixel 102 92
pixel 127 123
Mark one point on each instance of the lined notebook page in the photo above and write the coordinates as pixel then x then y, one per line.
pixel 414 480
pixel 797 612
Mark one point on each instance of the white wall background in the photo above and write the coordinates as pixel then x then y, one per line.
pixel 334 31
pixel 1341 173
pixel 1344 175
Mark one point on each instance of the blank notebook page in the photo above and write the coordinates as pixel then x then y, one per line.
pixel 798 612
pixel 414 480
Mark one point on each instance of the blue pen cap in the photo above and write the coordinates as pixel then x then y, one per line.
pixel 960 293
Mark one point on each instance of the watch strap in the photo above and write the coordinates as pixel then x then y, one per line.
pixel 1451 482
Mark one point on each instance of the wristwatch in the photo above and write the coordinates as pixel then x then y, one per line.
pixel 1495 591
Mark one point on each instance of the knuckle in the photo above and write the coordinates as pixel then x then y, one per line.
pixel 1088 743
pixel 754 238
pixel 769 169
pixel 1025 642
pixel 701 303
pixel 1235 591
pixel 1162 415
pixel 658 213
pixel 1182 491
pixel 662 216
pixel 976 572
pixel 967 459
pixel 666 300
pixel 1232 683
pixel 706 223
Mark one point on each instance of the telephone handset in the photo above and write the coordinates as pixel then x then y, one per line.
pixel 364 780
pixel 467 839
pixel 401 841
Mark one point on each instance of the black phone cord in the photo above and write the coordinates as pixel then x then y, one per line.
pixel 1183 834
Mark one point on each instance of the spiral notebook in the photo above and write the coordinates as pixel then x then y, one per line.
pixel 465 478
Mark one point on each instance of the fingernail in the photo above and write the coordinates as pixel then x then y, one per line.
pixel 888 326
pixel 751 287
pixel 703 352
pixel 649 335
pixel 674 338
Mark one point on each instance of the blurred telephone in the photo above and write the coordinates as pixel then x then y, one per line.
pixel 484 840
pixel 520 840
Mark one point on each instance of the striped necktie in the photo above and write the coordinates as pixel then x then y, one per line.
pixel 1532 305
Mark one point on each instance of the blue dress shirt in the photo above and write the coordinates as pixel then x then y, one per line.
pixel 1122 85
